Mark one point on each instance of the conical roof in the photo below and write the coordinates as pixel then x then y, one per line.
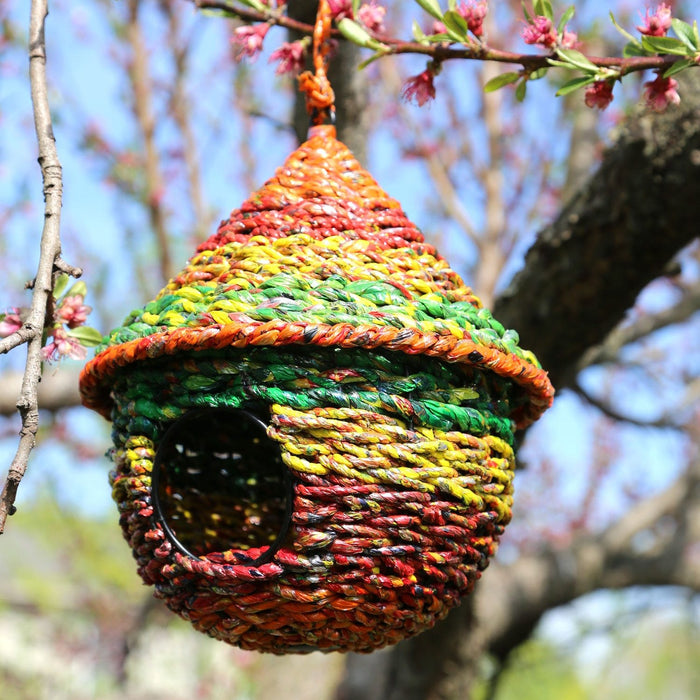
pixel 320 255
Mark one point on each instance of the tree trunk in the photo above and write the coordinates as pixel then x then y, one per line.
pixel 615 236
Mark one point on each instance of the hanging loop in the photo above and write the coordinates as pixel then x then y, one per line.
pixel 319 93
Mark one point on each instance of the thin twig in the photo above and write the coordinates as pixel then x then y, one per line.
pixel 141 86
pixel 644 326
pixel 57 390
pixel 492 258
pixel 182 111
pixel 444 187
pixel 610 412
pixel 49 261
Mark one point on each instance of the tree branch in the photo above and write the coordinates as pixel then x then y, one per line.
pixel 143 110
pixel 50 250
pixel 607 410
pixel 182 111
pixel 609 349
pixel 442 51
pixel 536 583
pixel 57 390
pixel 616 235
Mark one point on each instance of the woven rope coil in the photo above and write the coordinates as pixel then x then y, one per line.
pixel 390 396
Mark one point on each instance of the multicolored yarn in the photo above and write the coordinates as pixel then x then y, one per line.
pixel 390 397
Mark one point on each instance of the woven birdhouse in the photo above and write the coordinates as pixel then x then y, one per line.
pixel 313 422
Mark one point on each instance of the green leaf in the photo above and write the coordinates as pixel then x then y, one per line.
pixel 565 18
pixel 256 5
pixel 218 13
pixel 60 285
pixel 501 81
pixel 624 33
pixel 679 66
pixel 576 58
pixel 686 33
pixel 439 38
pixel 574 84
pixel 560 64
pixel 418 33
pixel 543 8
pixel 526 13
pixel 89 337
pixel 537 74
pixel 521 90
pixel 355 6
pixel 78 288
pixel 452 4
pixel 356 33
pixel 432 7
pixel 379 54
pixel 457 26
pixel 665 45
pixel 633 48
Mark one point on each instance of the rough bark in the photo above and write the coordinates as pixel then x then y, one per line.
pixel 617 234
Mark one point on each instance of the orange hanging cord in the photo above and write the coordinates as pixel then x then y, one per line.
pixel 319 93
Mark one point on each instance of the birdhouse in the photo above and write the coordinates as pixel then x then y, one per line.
pixel 313 422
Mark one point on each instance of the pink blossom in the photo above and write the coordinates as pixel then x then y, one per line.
pixel 568 40
pixel 599 94
pixel 420 88
pixel 10 323
pixel 63 345
pixel 341 9
pixel 290 57
pixel 248 40
pixel 661 93
pixel 372 16
pixel 72 311
pixel 474 13
pixel 658 22
pixel 540 31
pixel 439 27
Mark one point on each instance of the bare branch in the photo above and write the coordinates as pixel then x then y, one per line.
pixel 492 258
pixel 182 111
pixel 142 104
pixel 610 412
pixel 609 349
pixel 555 576
pixel 50 247
pixel 57 390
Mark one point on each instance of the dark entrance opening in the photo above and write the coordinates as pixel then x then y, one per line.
pixel 219 484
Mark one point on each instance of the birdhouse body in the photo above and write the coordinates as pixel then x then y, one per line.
pixel 313 422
